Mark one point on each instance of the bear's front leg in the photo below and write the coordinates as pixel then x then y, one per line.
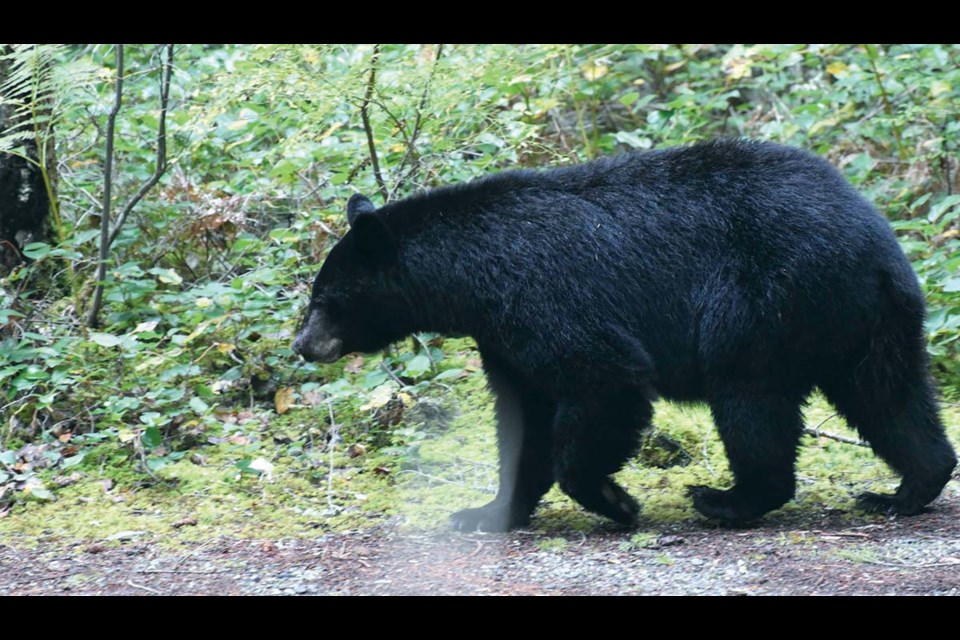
pixel 593 437
pixel 524 420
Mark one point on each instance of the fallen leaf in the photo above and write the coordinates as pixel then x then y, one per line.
pixel 669 541
pixel 282 399
pixel 145 326
pixel 356 450
pixel 379 397
pixel 39 492
pixel 594 70
pixel 263 466
pixel 65 481
pixel 185 522
pixel 938 87
pixel 836 69
pixel 312 398
pixel 354 365
pixel 221 386
pixel 105 339
pixel 737 69
pixel 126 535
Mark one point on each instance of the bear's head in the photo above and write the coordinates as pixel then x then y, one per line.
pixel 357 303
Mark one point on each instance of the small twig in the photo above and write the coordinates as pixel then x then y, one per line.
pixel 706 460
pixel 140 586
pixel 945 159
pixel 383 365
pixel 904 565
pixel 816 432
pixel 834 436
pixel 161 165
pixel 426 349
pixel 411 154
pixel 294 494
pixel 365 116
pixel 194 552
pixel 885 99
pixel 107 188
pixel 143 459
pixel 180 572
pixel 334 428
pixel 42 579
pixel 417 472
pixel 477 463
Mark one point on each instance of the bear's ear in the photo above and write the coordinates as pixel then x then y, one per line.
pixel 356 205
pixel 373 238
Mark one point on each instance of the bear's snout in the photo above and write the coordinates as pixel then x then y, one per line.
pixel 313 342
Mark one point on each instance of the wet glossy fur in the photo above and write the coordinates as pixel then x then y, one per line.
pixel 742 274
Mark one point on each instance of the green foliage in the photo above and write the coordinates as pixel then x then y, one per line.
pixel 32 81
pixel 210 275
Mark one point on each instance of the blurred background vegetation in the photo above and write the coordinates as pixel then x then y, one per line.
pixel 208 270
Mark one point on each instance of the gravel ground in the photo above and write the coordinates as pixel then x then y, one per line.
pixel 919 555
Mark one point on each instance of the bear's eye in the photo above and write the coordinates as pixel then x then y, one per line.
pixel 318 301
pixel 331 305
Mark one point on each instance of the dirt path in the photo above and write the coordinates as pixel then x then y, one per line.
pixel 918 555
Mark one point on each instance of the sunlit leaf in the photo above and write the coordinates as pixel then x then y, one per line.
pixel 282 399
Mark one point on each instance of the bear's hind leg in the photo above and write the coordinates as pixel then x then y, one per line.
pixel 760 432
pixel 903 428
pixel 593 438
pixel 524 421
pixel 883 390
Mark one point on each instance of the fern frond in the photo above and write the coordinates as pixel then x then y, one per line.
pixel 12 142
pixel 30 82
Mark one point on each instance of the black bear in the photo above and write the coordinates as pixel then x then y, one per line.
pixel 738 273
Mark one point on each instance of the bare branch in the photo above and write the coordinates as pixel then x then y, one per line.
pixel 161 165
pixel 107 238
pixel 107 188
pixel 364 115
pixel 816 432
pixel 411 154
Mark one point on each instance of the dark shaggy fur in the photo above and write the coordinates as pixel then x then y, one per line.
pixel 743 274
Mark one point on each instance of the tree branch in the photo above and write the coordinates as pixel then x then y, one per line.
pixel 815 431
pixel 107 188
pixel 364 115
pixel 161 166
pixel 411 154
pixel 107 238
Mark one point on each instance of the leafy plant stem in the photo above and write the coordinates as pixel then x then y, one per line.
pixel 887 106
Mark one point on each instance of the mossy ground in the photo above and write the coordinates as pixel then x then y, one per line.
pixel 413 476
